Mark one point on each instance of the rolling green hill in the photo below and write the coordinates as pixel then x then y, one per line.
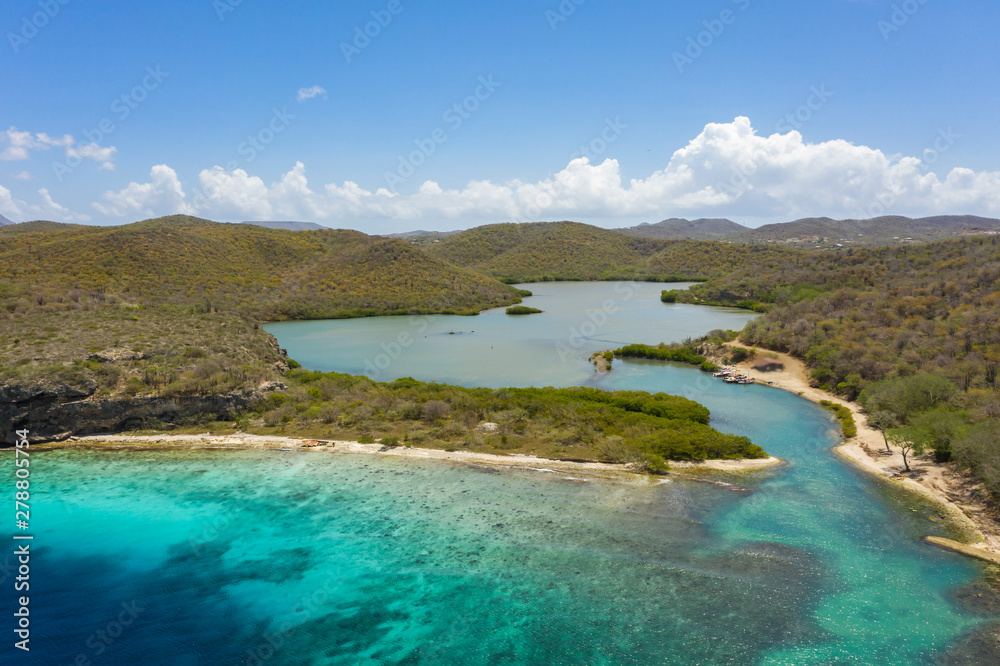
pixel 913 332
pixel 265 273
pixel 169 306
pixel 11 229
pixel 572 251
pixel 154 324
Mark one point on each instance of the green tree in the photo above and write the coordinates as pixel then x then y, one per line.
pixel 882 421
pixel 943 426
pixel 905 397
pixel 910 440
pixel 977 449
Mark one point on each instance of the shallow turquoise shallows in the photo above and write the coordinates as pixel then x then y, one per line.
pixel 296 557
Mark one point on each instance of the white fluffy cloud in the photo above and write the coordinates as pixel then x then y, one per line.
pixel 20 144
pixel 726 170
pixel 163 195
pixel 309 93
pixel 7 203
pixel 45 209
pixel 92 151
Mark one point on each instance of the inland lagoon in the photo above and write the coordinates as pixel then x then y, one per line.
pixel 298 557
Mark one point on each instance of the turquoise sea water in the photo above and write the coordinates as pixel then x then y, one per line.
pixel 223 557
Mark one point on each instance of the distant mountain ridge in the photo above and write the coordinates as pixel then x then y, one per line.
pixel 822 231
pixel 805 233
pixel 288 226
pixel 421 232
pixel 886 230
pixel 680 229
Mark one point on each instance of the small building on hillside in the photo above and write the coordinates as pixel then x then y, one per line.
pixel 768 365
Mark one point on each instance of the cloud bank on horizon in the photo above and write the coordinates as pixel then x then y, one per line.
pixel 727 170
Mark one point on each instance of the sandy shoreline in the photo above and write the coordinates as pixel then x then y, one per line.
pixel 958 494
pixel 960 497
pixel 510 462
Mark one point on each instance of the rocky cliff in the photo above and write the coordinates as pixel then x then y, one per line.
pixel 53 413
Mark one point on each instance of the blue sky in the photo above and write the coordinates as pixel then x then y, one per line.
pixel 757 111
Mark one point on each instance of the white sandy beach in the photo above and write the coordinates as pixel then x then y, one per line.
pixel 512 462
pixel 957 493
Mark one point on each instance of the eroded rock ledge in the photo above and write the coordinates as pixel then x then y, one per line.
pixel 53 413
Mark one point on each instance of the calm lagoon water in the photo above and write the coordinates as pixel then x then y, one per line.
pixel 307 558
pixel 495 349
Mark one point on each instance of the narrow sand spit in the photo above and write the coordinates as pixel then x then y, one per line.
pixel 512 462
pixel 958 493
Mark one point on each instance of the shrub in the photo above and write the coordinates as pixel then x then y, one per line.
pixel 134 385
pixel 435 410
pixel 845 416
pixel 739 354
pixel 274 401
